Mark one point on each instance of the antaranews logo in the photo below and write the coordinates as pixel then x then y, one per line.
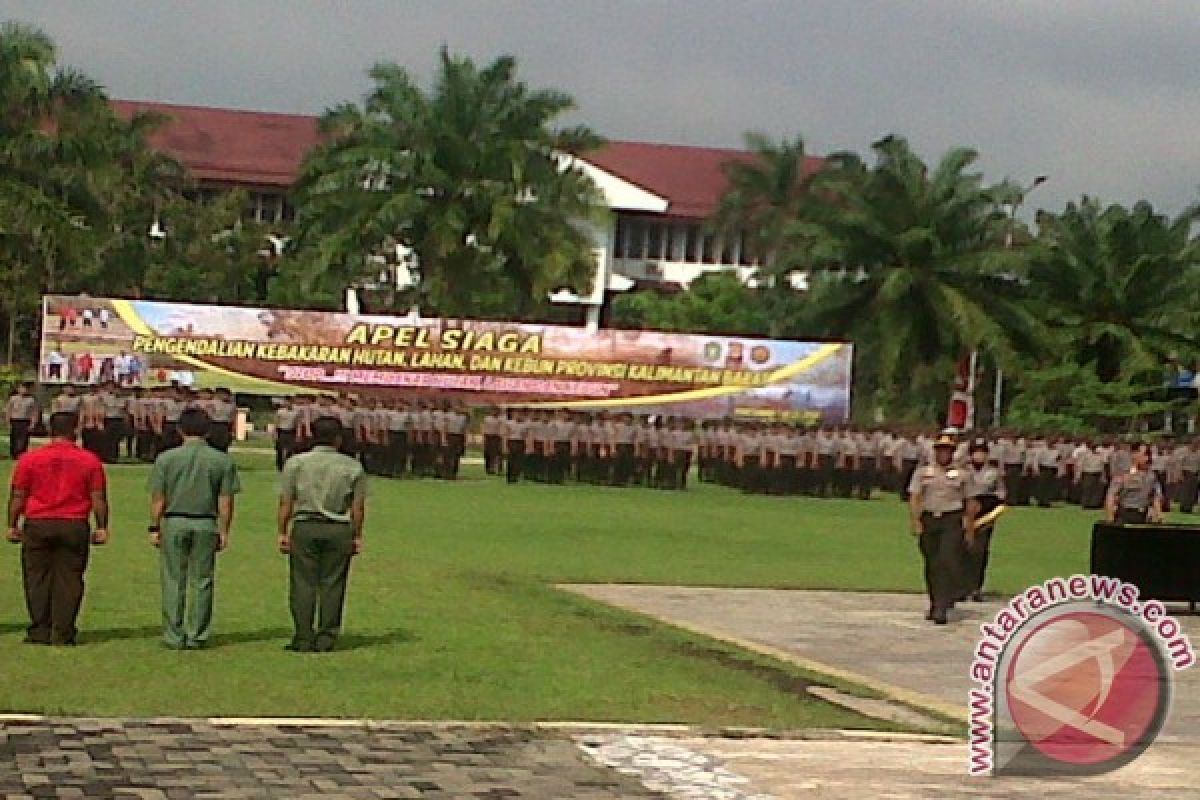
pixel 1073 676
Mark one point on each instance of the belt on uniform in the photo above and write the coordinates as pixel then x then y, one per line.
pixel 186 515
pixel 940 514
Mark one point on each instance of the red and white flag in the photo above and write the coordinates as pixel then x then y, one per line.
pixel 961 414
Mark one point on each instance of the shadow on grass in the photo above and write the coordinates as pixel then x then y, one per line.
pixel 102 635
pixel 350 641
pixel 13 627
pixel 359 641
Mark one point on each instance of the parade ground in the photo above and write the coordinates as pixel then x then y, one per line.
pixel 543 641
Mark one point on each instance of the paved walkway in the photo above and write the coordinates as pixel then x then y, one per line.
pixel 199 760
pixel 881 640
pixel 878 639
pixel 188 759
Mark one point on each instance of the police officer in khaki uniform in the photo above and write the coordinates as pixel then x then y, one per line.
pixel 943 524
pixel 322 508
pixel 1189 468
pixel 985 493
pixel 1135 497
pixel 285 431
pixel 22 413
pixel 222 410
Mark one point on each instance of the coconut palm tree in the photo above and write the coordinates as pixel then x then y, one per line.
pixel 912 259
pixel 45 195
pixel 1118 285
pixel 766 195
pixel 469 173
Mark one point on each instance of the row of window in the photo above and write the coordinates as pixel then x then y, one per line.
pixel 266 207
pixel 671 240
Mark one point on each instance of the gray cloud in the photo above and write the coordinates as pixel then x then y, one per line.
pixel 1099 94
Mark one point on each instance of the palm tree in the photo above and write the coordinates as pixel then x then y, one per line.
pixel 912 259
pixel 470 174
pixel 1119 285
pixel 765 197
pixel 45 194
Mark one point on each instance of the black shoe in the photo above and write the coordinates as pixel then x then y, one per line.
pixel 939 619
pixel 34 640
pixel 977 597
pixel 929 613
pixel 298 647
pixel 195 646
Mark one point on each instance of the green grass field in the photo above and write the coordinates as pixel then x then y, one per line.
pixel 452 614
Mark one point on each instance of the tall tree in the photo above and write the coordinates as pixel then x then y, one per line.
pixel 470 174
pixel 913 259
pixel 1118 285
pixel 47 203
pixel 766 195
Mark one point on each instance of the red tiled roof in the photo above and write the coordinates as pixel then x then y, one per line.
pixel 258 148
pixel 692 179
pixel 253 148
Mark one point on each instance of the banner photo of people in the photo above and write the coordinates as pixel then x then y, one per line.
pixel 88 340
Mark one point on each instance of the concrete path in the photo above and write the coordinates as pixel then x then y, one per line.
pixel 882 641
pixel 877 639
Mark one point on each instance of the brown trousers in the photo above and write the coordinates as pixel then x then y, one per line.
pixel 54 555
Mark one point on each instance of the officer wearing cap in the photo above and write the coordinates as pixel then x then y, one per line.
pixel 1135 497
pixel 985 493
pixel 942 522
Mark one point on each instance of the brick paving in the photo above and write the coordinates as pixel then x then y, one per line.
pixel 188 759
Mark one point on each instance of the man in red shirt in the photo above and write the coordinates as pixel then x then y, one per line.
pixel 54 489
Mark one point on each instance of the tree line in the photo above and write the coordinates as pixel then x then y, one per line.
pixel 469 181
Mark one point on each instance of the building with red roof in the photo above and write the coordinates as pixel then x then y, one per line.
pixel 660 195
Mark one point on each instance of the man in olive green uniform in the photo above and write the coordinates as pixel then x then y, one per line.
pixel 1135 497
pixel 942 521
pixel 322 506
pixel 191 509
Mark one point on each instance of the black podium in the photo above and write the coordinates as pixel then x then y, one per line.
pixel 1163 561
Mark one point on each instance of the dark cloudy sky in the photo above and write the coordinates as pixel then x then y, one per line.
pixel 1104 96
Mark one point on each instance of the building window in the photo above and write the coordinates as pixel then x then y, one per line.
pixel 746 257
pixel 622 233
pixel 654 240
pixel 635 244
pixel 678 242
pixel 729 250
pixel 265 207
pixel 691 250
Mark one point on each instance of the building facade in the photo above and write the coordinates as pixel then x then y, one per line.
pixel 659 197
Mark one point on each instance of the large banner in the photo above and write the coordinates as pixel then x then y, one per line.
pixel 274 351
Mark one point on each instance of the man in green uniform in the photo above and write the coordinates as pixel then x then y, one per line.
pixel 322 505
pixel 943 524
pixel 191 509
